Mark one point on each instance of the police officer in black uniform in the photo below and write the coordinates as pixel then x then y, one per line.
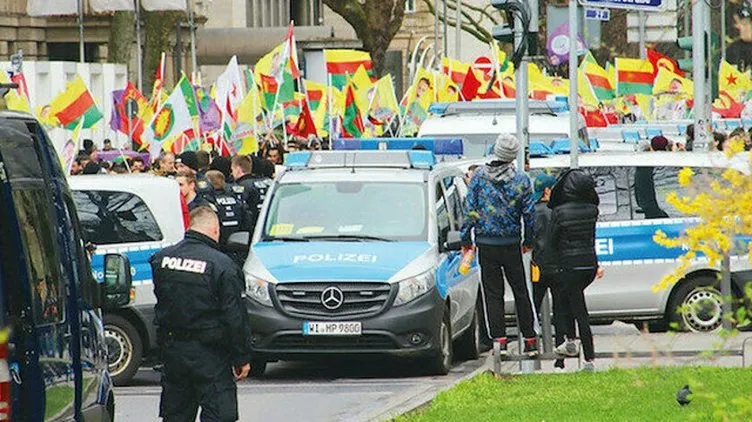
pixel 202 325
pixel 248 188
pixel 231 212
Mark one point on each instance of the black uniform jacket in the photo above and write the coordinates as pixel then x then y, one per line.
pixel 200 293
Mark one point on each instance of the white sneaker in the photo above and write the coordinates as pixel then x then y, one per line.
pixel 588 367
pixel 568 348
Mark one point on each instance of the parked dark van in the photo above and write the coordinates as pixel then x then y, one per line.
pixel 53 357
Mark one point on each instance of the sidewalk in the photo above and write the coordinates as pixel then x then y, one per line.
pixel 666 349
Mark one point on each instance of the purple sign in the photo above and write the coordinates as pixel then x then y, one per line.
pixel 557 47
pixel 111 155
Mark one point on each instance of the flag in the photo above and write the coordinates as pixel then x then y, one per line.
pixel 508 88
pixel 152 5
pixel 16 99
pixel 305 126
pixel 174 117
pixel 75 103
pixel 157 92
pixel 127 106
pixel 447 91
pixel 659 60
pixel 598 78
pixel 727 106
pixel 633 76
pixel 611 73
pixel 269 89
pixel 732 81
pixel 585 92
pixel 210 117
pixel 51 7
pixel 352 122
pixel 112 5
pixel 361 78
pixel 317 99
pixel 340 63
pixel 668 82
pixel 280 64
pixel 71 147
pixel 470 85
pixel 455 69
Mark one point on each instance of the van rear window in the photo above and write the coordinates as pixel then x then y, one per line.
pixel 115 217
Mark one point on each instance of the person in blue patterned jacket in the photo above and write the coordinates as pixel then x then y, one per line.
pixel 498 201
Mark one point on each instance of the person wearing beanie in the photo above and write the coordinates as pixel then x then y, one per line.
pixel 498 202
pixel 660 143
pixel 187 161
pixel 542 185
pixel 222 164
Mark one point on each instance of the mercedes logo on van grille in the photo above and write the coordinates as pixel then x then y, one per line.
pixel 332 298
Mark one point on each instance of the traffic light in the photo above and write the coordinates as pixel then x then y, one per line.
pixel 712 57
pixel 504 32
pixel 685 43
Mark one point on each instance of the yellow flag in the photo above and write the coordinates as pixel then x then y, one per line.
pixel 585 91
pixel 422 89
pixel 448 92
pixel 732 81
pixel 14 100
pixel 668 82
pixel 361 79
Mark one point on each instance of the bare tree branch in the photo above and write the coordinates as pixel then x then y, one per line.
pixel 471 25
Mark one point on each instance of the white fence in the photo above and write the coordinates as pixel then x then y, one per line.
pixel 47 79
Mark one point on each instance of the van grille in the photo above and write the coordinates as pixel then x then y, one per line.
pixel 359 299
pixel 364 342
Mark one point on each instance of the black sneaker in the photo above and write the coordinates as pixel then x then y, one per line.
pixel 502 342
pixel 531 347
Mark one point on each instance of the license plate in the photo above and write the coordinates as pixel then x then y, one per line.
pixel 331 328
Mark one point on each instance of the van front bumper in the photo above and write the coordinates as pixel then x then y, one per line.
pixel 407 330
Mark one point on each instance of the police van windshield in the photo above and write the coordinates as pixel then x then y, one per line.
pixel 348 210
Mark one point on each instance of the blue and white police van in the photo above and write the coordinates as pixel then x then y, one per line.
pixel 53 357
pixel 356 251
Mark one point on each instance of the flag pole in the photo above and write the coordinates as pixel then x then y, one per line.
pixel 284 124
pixel 192 23
pixel 330 107
pixel 81 52
pixel 139 58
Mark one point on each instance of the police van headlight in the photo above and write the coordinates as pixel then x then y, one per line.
pixel 414 287
pixel 258 290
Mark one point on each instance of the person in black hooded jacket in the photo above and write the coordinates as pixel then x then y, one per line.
pixel 571 250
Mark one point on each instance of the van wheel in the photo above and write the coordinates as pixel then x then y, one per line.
pixel 468 345
pixel 696 305
pixel 441 362
pixel 124 348
pixel 258 367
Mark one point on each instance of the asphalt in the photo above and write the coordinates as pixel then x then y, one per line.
pixel 380 389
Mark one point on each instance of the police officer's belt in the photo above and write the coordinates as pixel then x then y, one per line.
pixel 208 335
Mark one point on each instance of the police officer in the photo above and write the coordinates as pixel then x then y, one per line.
pixel 249 189
pixel 230 210
pixel 189 190
pixel 188 161
pixel 202 325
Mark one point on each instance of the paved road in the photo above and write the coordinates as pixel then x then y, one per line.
pixel 349 390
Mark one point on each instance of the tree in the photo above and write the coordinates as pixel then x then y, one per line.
pixel 122 37
pixel 376 22
pixel 158 26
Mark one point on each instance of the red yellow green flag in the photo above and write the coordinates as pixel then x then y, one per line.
pixel 340 63
pixel 75 103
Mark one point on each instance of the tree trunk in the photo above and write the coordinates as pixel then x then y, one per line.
pixel 122 37
pixel 157 28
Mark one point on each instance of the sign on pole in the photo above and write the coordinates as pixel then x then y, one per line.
pixel 598 14
pixel 646 5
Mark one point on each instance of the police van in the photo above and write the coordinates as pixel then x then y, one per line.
pixel 633 188
pixel 479 123
pixel 356 251
pixel 53 356
pixel 135 215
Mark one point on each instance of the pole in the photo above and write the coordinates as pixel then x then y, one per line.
pixel 445 14
pixel 192 23
pixel 723 29
pixel 573 102
pixel 687 13
pixel 726 291
pixel 641 23
pixel 457 29
pixel 139 53
pixel 81 52
pixel 179 49
pixel 436 24
pixel 698 73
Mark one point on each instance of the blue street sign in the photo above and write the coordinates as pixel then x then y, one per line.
pixel 647 5
pixel 598 14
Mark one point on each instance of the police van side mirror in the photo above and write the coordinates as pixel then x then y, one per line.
pixel 117 281
pixel 239 242
pixel 453 241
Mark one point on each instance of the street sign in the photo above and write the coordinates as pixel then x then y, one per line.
pixel 646 5
pixel 598 14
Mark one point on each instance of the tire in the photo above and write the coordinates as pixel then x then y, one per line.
pixel 441 361
pixel 468 344
pixel 124 349
pixel 696 305
pixel 258 367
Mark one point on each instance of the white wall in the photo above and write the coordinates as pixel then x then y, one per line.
pixel 47 79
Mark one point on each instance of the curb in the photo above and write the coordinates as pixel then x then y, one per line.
pixel 422 396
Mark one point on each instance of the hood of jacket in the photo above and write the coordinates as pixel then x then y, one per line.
pixel 574 185
pixel 499 172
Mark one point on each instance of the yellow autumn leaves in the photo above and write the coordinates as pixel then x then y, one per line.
pixel 722 204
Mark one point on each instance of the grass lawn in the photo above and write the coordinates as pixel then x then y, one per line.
pixel 644 394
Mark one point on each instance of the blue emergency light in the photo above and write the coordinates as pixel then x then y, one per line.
pixel 436 146
pixel 407 159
